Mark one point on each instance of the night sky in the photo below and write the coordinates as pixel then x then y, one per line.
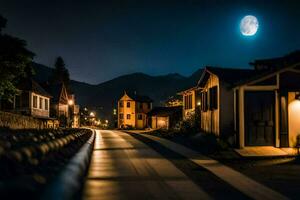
pixel 100 40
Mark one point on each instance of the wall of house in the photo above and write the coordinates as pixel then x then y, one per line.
pixel 16 121
pixel 226 109
pixel 210 118
pixel 190 111
pixel 160 122
pixel 294 118
pixel 127 111
pixel 41 110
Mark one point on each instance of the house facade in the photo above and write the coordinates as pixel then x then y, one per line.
pixel 217 99
pixel 33 100
pixel 165 117
pixel 267 106
pixel 191 100
pixel 132 111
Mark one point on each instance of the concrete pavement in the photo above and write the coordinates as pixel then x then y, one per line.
pixel 125 168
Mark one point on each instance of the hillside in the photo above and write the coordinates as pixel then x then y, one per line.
pixel 103 97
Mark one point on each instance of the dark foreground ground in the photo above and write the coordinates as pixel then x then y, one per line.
pixel 282 174
pixel 31 159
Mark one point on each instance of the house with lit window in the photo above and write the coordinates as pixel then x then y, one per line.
pixel 217 99
pixel 191 101
pixel 267 105
pixel 60 107
pixel 165 117
pixel 132 111
pixel 32 100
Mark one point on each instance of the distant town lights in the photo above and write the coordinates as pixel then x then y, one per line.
pixel 92 114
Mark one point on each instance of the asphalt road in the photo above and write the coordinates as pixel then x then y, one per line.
pixel 131 166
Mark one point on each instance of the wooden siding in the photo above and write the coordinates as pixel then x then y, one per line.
pixel 210 119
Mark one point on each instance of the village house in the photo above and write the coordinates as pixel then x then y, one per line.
pixel 165 117
pixel 191 101
pixel 33 100
pixel 132 111
pixel 217 99
pixel 60 103
pixel 267 106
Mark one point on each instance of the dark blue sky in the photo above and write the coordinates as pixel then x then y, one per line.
pixel 100 40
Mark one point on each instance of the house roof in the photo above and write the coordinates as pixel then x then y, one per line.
pixel 139 98
pixel 279 62
pixel 228 75
pixel 55 90
pixel 165 111
pixel 31 85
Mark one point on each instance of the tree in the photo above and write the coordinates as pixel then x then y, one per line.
pixel 60 73
pixel 15 62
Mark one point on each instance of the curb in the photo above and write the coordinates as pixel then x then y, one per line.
pixel 68 184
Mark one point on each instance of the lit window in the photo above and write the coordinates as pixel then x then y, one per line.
pixel 121 116
pixel 34 103
pixel 128 116
pixel 121 104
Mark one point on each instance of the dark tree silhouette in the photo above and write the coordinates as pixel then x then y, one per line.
pixel 60 73
pixel 15 62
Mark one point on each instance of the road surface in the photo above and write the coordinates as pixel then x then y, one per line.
pixel 125 168
pixel 132 166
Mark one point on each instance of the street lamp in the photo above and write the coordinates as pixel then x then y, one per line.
pixel 92 114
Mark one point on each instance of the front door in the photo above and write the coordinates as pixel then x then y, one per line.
pixel 259 118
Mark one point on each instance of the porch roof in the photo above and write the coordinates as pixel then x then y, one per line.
pixel 30 85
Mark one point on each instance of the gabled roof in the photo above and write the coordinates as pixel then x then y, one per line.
pixel 29 84
pixel 139 98
pixel 165 111
pixel 227 75
pixel 55 90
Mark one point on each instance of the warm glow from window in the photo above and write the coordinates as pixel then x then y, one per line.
pixel 294 121
pixel 71 102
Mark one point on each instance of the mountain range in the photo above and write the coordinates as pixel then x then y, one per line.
pixel 103 97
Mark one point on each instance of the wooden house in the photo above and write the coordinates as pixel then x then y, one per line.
pixel 267 106
pixel 132 111
pixel 165 117
pixel 191 100
pixel 33 100
pixel 217 99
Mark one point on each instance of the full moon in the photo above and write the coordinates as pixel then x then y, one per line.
pixel 249 25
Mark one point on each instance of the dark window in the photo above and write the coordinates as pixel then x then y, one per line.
pixel 213 98
pixel 34 101
pixel 121 104
pixel 121 116
pixel 41 103
pixel 140 116
pixel 141 105
pixel 188 101
pixel 149 105
pixel 46 104
pixel 128 116
pixel 128 104
pixel 204 101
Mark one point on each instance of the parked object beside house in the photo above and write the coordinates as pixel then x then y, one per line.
pixel 132 111
pixel 165 117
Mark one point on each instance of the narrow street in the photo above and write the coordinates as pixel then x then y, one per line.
pixel 124 167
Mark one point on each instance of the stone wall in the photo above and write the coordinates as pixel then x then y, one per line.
pixel 16 121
